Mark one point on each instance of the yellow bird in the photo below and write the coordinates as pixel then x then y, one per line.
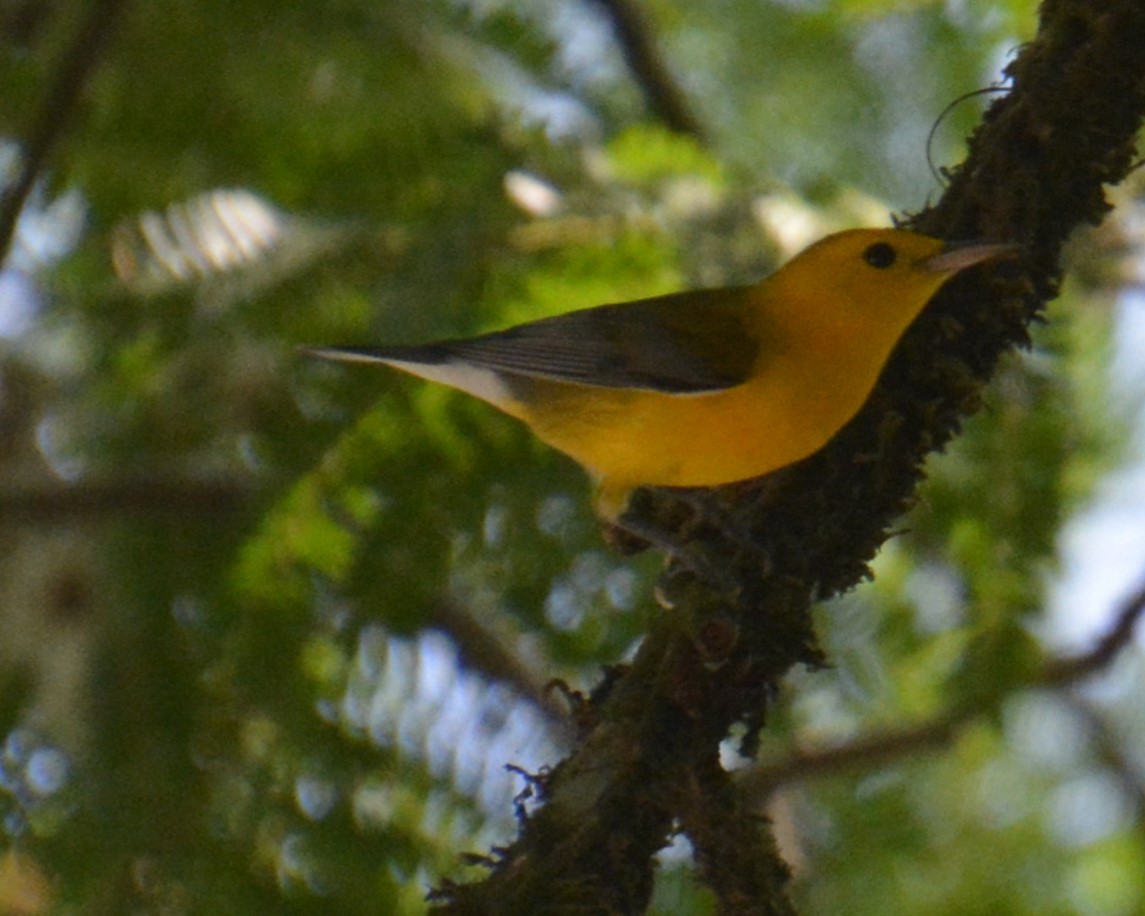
pixel 708 387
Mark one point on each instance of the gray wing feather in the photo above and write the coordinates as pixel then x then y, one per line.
pixel 689 343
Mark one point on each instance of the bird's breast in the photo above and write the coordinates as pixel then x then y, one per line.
pixel 635 437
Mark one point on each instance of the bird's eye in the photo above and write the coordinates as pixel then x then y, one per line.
pixel 880 255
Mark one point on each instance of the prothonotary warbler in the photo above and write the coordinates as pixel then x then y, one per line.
pixel 709 387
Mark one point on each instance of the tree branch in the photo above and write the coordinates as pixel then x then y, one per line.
pixel 734 856
pixel 56 110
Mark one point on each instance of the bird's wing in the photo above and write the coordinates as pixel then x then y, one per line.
pixel 684 343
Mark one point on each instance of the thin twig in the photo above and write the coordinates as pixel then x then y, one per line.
pixel 661 91
pixel 1069 670
pixel 1109 749
pixel 55 112
pixel 485 651
pixel 112 498
pixel 936 734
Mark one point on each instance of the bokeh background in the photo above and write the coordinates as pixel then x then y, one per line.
pixel 275 635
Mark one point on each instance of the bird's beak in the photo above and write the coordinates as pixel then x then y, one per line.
pixel 958 256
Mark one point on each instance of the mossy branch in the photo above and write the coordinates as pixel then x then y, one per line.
pixel 1037 168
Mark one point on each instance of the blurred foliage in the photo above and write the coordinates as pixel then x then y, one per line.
pixel 284 668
